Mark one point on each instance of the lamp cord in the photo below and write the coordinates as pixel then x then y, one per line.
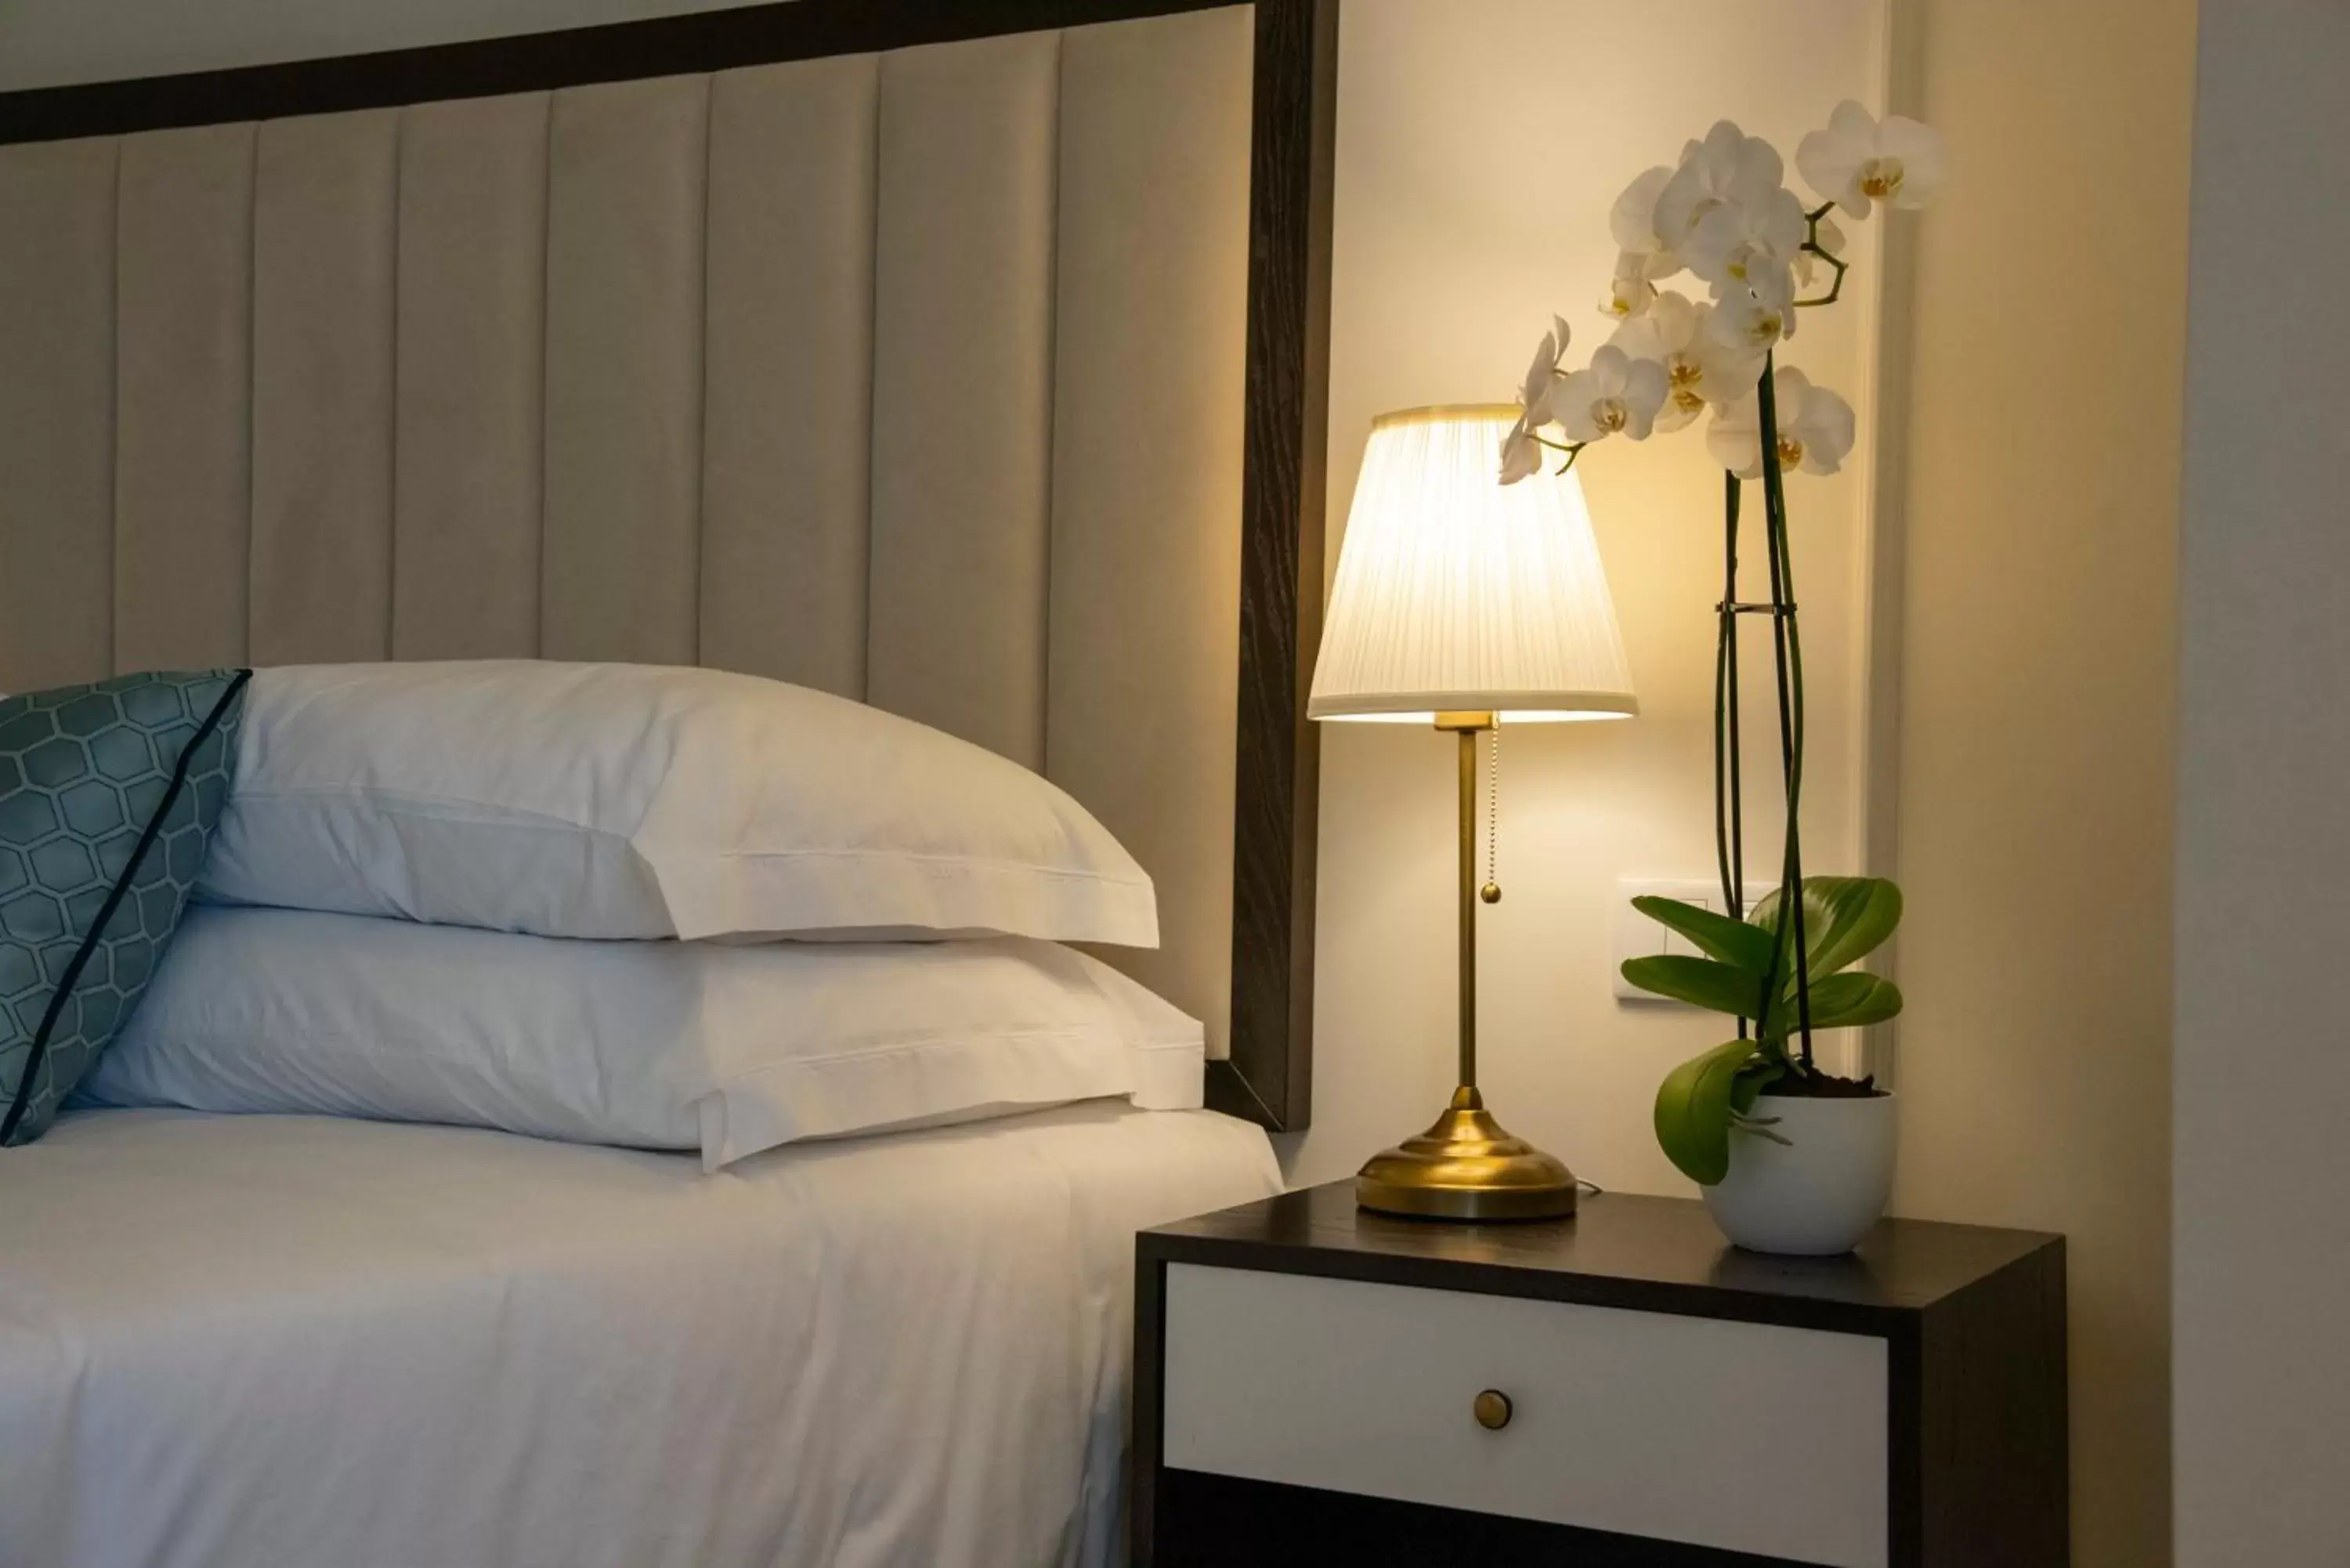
pixel 1491 891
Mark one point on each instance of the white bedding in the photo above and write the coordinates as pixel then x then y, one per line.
pixel 286 1342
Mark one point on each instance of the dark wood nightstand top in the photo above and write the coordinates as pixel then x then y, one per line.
pixel 1653 1254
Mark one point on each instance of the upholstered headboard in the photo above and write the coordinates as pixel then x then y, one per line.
pixel 962 357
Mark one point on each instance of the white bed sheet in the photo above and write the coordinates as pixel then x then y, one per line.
pixel 287 1342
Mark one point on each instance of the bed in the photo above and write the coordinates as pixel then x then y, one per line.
pixel 296 1340
pixel 963 360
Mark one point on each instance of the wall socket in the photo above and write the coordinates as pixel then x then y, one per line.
pixel 1632 934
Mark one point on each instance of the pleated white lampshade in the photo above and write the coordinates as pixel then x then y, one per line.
pixel 1458 594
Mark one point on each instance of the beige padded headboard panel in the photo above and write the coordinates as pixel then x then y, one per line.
pixel 916 376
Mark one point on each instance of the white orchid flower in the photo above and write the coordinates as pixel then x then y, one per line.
pixel 1771 285
pixel 1859 159
pixel 1750 324
pixel 1632 289
pixel 1809 268
pixel 1542 376
pixel 1633 224
pixel 1747 243
pixel 1613 395
pixel 1521 453
pixel 1728 167
pixel 1699 369
pixel 1815 429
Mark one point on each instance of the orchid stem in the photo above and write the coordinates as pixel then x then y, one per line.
pixel 1812 243
pixel 1729 811
pixel 1787 648
pixel 1573 450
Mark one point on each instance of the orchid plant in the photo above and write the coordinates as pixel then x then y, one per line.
pixel 1724 214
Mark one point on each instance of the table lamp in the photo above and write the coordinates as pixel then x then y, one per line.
pixel 1463 602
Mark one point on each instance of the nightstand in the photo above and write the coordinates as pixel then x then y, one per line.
pixel 1316 1384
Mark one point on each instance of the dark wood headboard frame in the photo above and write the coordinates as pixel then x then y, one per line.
pixel 1269 1078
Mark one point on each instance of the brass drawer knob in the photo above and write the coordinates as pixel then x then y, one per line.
pixel 1493 1410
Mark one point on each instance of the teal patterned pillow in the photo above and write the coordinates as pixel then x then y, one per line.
pixel 107 797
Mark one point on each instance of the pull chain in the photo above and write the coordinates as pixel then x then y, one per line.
pixel 1491 891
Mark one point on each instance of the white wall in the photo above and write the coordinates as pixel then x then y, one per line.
pixel 2047 341
pixel 2261 1171
pixel 1481 143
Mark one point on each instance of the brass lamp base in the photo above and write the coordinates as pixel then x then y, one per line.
pixel 1467 1167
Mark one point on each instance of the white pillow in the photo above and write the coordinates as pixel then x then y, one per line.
pixel 631 801
pixel 673 1045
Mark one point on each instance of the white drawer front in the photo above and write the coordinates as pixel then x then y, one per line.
pixel 1736 1435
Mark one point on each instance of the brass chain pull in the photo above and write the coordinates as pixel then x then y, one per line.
pixel 1491 891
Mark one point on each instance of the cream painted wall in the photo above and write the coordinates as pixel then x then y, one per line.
pixel 1481 143
pixel 2262 1176
pixel 2034 802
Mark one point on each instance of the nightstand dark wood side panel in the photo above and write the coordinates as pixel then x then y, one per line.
pixel 1144 1437
pixel 1994 1477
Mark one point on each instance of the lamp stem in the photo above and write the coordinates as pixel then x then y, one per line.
pixel 1465 1167
pixel 1468 909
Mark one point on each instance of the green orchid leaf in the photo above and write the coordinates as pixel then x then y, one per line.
pixel 1852 1000
pixel 1734 942
pixel 1862 914
pixel 1845 919
pixel 1693 1106
pixel 1699 981
pixel 1765 916
pixel 1753 1079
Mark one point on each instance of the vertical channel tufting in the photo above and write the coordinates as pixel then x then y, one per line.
pixel 325 194
pixel 184 347
pixel 963 392
pixel 471 360
pixel 1150 370
pixel 57 413
pixel 786 474
pixel 627 168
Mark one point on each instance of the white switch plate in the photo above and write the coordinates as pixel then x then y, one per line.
pixel 1632 934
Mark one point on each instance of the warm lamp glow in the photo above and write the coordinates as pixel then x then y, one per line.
pixel 1458 593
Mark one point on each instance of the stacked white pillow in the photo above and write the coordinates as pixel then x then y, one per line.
pixel 627 800
pixel 528 841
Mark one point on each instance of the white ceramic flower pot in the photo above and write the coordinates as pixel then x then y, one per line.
pixel 1818 1193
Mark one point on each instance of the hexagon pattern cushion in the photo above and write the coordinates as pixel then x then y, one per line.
pixel 108 794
